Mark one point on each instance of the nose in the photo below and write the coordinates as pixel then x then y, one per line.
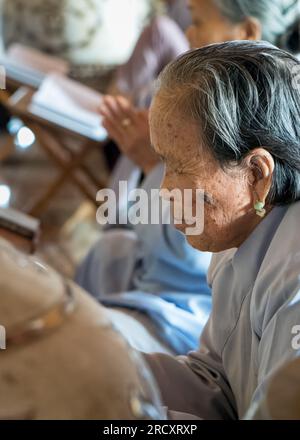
pixel 166 187
pixel 170 192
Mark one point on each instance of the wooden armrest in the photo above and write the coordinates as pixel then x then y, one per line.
pixel 21 230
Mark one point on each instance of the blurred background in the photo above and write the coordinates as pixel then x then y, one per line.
pixel 95 37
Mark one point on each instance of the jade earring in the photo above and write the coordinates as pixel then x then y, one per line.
pixel 260 209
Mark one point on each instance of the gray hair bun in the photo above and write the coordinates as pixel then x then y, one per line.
pixel 280 19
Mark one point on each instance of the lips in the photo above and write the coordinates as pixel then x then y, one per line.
pixel 185 222
pixel 178 220
pixel 181 227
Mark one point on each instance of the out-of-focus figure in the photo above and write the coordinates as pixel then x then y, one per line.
pixel 162 40
pixel 82 31
pixel 60 356
pixel 282 398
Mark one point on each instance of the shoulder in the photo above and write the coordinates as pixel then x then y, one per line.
pixel 164 28
pixel 278 281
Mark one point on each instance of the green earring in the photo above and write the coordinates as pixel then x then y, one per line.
pixel 260 209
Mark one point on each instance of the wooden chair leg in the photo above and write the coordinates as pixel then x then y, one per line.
pixel 39 206
pixel 99 183
pixel 71 165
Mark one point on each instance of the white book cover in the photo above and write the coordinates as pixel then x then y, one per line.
pixel 30 66
pixel 36 60
pixel 69 104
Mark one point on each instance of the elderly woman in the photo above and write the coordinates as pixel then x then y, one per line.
pixel 213 20
pixel 225 119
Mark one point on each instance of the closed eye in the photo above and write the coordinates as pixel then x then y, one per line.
pixel 162 158
pixel 208 199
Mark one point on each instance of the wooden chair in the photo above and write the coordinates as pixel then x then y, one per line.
pixel 58 143
pixel 7 144
pixel 19 229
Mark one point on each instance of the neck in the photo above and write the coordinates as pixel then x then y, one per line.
pixel 252 225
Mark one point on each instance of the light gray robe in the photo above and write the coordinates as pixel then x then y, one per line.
pixel 256 304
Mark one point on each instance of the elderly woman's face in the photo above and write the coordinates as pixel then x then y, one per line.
pixel 210 26
pixel 228 201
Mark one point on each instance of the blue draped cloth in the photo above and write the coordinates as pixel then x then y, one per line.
pixel 152 268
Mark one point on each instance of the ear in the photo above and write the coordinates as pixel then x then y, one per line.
pixel 261 165
pixel 250 29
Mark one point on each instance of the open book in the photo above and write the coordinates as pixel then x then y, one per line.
pixel 71 105
pixel 29 66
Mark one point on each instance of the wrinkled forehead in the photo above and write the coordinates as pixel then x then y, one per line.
pixel 168 117
pixel 172 131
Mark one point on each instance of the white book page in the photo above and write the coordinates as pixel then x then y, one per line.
pixel 73 105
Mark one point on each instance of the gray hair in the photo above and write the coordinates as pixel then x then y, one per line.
pixel 242 95
pixel 279 19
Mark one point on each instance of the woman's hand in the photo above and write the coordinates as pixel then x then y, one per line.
pixel 129 128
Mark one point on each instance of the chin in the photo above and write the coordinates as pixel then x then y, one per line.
pixel 199 242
